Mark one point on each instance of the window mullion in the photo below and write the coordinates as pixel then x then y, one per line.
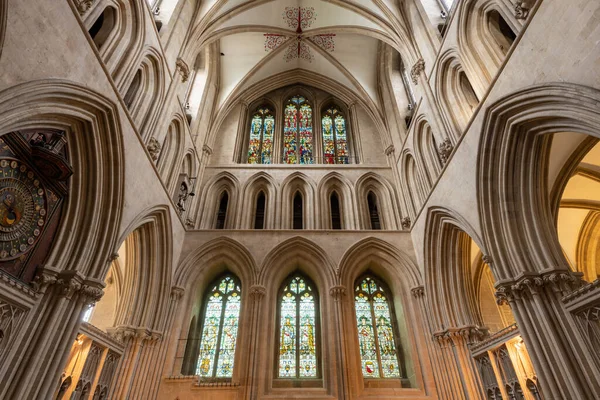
pixel 220 333
pixel 375 337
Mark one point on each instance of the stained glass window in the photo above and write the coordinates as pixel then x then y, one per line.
pixel 298 132
pixel 335 137
pixel 298 329
pixel 376 331
pixel 219 330
pixel 262 128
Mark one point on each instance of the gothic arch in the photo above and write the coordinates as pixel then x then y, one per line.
pixel 415 187
pixel 298 182
pixel 258 182
pixel 536 112
pixel 334 181
pixel 386 196
pixel 476 41
pixel 96 154
pixel 456 93
pixel 426 149
pixel 146 91
pixel 447 278
pixel 400 273
pixel 172 151
pixel 213 189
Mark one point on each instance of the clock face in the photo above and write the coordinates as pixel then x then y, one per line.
pixel 23 209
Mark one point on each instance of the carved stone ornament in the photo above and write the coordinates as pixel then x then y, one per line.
pixel 183 69
pixel 521 10
pixel 390 150
pixel 206 150
pixel 466 334
pixel 68 284
pixel 444 150
pixel 83 5
pixel 416 70
pixel 418 291
pixel 562 282
pixel 257 291
pixel 189 223
pixel 177 292
pixel 337 291
pixel 406 223
pixel 153 148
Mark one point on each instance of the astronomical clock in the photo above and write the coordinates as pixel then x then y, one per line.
pixel 34 174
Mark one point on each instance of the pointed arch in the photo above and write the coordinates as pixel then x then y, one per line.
pixel 298 182
pixel 414 185
pixel 259 182
pixel 387 205
pixel 338 183
pixel 172 150
pixel 426 149
pixel 213 190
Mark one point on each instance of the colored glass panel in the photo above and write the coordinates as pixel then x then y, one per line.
pixel 287 339
pixel 376 335
pixel 306 145
pixel 267 144
pixel 298 331
pixel 366 337
pixel 328 140
pixel 255 138
pixel 290 130
pixel 219 331
pixel 341 141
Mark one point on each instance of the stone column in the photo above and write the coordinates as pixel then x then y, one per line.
pixel 564 368
pixel 338 292
pixel 444 388
pixel 32 368
pixel 257 293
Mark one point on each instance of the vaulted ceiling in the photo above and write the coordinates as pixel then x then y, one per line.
pixel 334 39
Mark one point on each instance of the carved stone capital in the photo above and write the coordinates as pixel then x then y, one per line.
pixel 153 148
pixel 337 292
pixel 177 293
pixel 406 223
pixel 257 292
pixel 83 5
pixel 418 291
pixel 417 70
pixel 444 150
pixel 91 294
pixel 461 335
pixel 561 282
pixel 521 10
pixel 183 69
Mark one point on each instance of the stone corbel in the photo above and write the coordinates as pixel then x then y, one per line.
pixel 418 291
pixel 206 150
pixel 417 70
pixel 177 293
pixel 337 292
pixel 444 150
pixel 521 10
pixel 257 292
pixel 83 5
pixel 406 223
pixel 390 150
pixel 153 148
pixel 183 70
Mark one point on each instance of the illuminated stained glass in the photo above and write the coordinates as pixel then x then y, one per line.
pixel 297 331
pixel 260 145
pixel 298 132
pixel 219 331
pixel 335 138
pixel 376 338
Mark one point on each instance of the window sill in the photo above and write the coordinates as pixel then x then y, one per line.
pixel 282 383
pixel 386 383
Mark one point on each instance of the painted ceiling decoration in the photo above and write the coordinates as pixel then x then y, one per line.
pixel 299 18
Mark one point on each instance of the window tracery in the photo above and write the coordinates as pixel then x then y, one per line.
pixel 376 331
pixel 335 138
pixel 298 333
pixel 219 329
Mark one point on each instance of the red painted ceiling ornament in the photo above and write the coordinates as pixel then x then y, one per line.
pixel 299 18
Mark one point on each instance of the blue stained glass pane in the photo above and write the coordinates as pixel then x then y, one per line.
pixel 308 352
pixel 255 138
pixel 290 129
pixel 267 145
pixel 210 334
pixel 341 141
pixel 385 336
pixel 366 337
pixel 228 336
pixel 306 145
pixel 328 140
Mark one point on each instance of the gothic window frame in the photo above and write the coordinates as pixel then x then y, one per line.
pixel 256 209
pixel 317 328
pixel 334 111
pixel 263 111
pixel 205 301
pixel 217 219
pixel 383 288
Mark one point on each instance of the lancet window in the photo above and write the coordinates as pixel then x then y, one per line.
pixel 219 329
pixel 298 330
pixel 377 331
pixel 298 132
pixel 262 128
pixel 335 138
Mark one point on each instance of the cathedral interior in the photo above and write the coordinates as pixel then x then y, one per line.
pixel 300 199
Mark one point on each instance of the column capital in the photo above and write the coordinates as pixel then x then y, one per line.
pixel 257 292
pixel 532 283
pixel 177 292
pixel 337 291
pixel 418 291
